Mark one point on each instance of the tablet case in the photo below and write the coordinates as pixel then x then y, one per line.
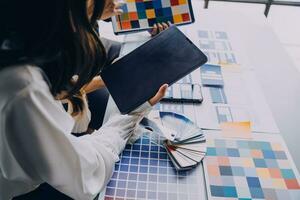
pixel 142 15
pixel 136 77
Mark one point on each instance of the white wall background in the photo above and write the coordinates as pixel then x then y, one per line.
pixel 285 21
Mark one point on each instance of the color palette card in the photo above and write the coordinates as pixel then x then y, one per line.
pixel 184 92
pixel 261 168
pixel 143 14
pixel 146 172
pixel 236 129
pixel 218 47
pixel 211 75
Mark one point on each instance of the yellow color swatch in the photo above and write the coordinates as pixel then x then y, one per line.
pixel 257 153
pixel 177 18
pixel 277 147
pixel 263 173
pixel 247 162
pixel 278 183
pixel 236 129
pixel 181 2
pixel 150 13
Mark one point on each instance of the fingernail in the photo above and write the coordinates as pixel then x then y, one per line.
pixel 121 2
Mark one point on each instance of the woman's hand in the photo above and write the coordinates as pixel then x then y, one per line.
pixel 111 8
pixel 95 84
pixel 159 27
pixel 159 95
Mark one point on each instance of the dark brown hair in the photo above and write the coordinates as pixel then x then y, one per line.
pixel 56 35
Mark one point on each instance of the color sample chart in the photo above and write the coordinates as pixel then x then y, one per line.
pixel 232 96
pixel 145 172
pixel 250 169
pixel 143 14
pixel 211 75
pixel 218 95
pixel 217 47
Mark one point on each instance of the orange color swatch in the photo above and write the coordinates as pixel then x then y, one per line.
pixel 236 129
pixel 133 16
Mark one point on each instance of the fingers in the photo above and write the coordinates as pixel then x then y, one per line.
pixel 154 30
pixel 119 4
pixel 117 11
pixel 159 27
pixel 112 8
pixel 117 8
pixel 159 95
pixel 165 26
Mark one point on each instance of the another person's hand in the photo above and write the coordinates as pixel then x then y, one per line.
pixel 111 8
pixel 159 95
pixel 159 27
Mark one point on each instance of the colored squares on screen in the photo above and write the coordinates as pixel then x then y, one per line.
pixel 155 11
pixel 249 169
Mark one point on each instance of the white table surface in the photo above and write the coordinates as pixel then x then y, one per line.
pixel 279 79
pixel 259 48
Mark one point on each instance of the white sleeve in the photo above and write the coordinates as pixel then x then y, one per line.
pixel 36 134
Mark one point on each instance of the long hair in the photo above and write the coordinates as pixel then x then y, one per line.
pixel 56 35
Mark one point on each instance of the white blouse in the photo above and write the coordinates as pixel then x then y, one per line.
pixel 36 145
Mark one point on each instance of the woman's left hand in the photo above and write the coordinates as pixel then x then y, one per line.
pixel 159 27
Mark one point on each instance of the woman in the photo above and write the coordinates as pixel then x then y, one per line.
pixel 96 90
pixel 50 52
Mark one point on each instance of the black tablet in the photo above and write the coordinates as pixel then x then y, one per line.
pixel 136 77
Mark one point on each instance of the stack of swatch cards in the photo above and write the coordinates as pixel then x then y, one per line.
pixel 184 92
pixel 184 141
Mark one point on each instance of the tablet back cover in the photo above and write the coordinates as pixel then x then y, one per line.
pixel 136 77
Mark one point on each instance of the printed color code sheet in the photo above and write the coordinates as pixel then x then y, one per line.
pixel 143 14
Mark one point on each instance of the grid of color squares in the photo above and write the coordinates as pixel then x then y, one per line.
pixel 145 172
pixel 218 95
pixel 249 169
pixel 211 75
pixel 184 92
pixel 143 14
pixel 224 114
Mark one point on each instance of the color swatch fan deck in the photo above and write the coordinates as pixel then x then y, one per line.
pixel 143 14
pixel 188 147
